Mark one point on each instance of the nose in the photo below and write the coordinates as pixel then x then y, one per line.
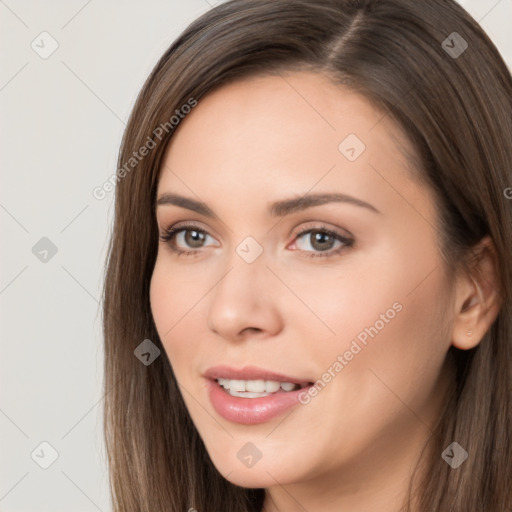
pixel 241 303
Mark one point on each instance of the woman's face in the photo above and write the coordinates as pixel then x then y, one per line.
pixel 363 310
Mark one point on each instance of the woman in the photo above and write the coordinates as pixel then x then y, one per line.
pixel 308 293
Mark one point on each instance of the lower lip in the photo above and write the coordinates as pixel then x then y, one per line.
pixel 250 411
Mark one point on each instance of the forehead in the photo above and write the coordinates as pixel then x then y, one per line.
pixel 301 105
pixel 292 131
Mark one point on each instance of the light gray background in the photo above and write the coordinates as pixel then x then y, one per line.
pixel 62 122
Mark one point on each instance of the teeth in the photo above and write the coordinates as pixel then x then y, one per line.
pixel 271 386
pixel 237 385
pixel 255 388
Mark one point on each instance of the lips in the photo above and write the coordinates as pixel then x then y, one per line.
pixel 252 373
pixel 250 410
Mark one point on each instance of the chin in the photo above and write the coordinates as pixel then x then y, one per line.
pixel 260 475
pixel 246 478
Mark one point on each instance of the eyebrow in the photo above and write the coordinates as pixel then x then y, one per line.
pixel 276 209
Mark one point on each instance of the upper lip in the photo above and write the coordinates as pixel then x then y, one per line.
pixel 250 373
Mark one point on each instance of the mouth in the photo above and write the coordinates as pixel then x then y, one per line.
pixel 254 382
pixel 249 401
pixel 258 388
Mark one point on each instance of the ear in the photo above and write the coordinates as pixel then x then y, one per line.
pixel 478 300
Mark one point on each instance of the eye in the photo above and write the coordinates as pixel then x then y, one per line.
pixel 184 235
pixel 187 239
pixel 322 241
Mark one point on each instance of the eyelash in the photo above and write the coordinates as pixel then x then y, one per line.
pixel 170 233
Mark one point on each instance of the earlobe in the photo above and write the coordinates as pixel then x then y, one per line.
pixel 478 300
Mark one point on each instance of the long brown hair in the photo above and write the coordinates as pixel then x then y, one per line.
pixel 455 103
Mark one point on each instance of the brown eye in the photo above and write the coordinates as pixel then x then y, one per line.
pixel 185 239
pixel 194 238
pixel 321 241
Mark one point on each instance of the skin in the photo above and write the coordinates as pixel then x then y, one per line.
pixel 354 445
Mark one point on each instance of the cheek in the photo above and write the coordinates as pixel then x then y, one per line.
pixel 174 301
pixel 392 346
pixel 175 290
pixel 367 291
pixel 163 300
pixel 387 310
